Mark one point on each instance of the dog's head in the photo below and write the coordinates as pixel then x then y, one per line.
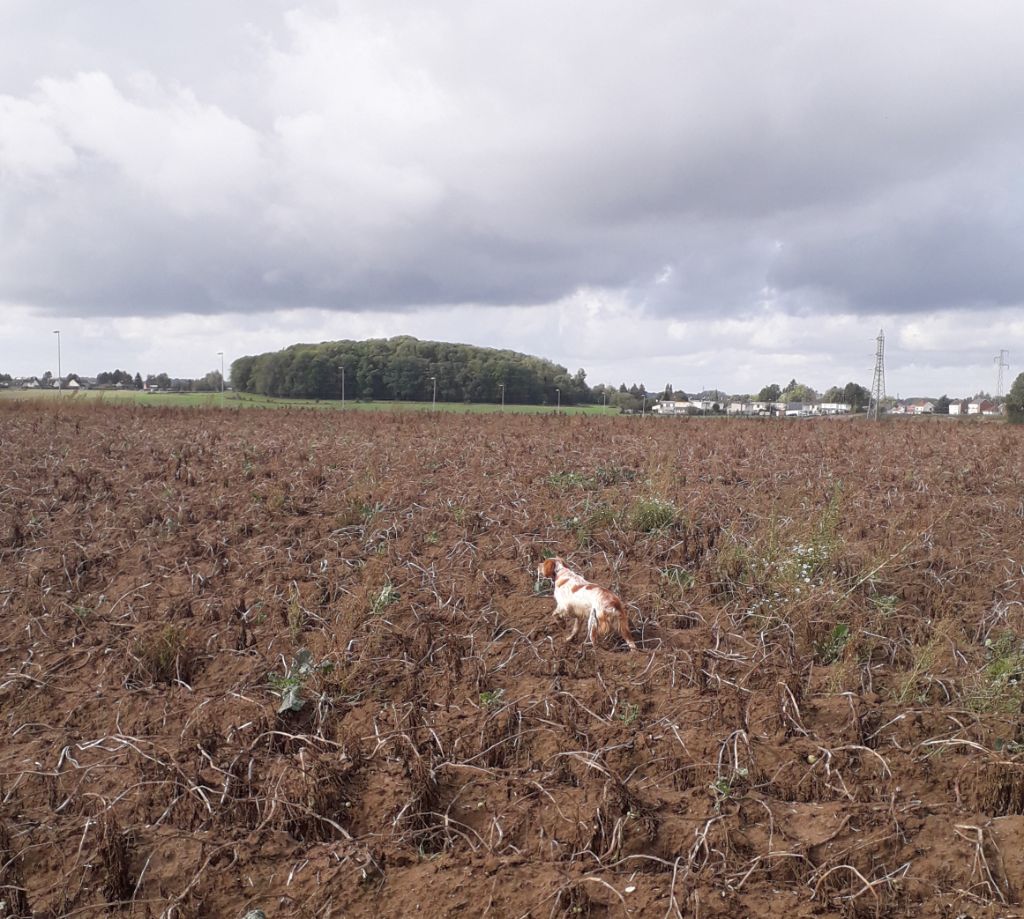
pixel 548 568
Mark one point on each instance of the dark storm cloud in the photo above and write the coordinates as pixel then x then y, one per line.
pixel 703 160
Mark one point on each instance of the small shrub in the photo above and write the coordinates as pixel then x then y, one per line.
pixel 651 514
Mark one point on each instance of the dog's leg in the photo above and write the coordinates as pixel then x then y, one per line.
pixel 624 630
pixel 575 630
pixel 592 624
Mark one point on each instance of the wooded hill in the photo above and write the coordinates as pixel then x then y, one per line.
pixel 400 368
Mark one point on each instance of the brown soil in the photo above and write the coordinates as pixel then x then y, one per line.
pixel 824 718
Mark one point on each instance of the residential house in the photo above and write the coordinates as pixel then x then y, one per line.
pixel 671 407
pixel 747 408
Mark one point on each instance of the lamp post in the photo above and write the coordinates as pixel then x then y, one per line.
pixel 59 386
pixel 342 369
pixel 433 401
pixel 221 353
pixel 559 394
pixel 502 386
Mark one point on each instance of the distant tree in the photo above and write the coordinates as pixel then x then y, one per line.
pixel 941 405
pixel 634 390
pixel 402 367
pixel 1015 401
pixel 209 383
pixel 669 394
pixel 832 394
pixel 770 393
pixel 626 401
pixel 856 396
pixel 137 382
pixel 798 392
pixel 46 379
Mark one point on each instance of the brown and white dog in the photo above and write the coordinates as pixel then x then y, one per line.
pixel 575 596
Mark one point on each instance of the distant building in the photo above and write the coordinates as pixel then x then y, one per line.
pixel 747 408
pixel 671 407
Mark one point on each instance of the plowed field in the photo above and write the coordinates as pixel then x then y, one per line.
pixel 300 662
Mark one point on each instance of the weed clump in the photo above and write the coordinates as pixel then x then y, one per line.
pixel 290 685
pixel 999 686
pixel 651 514
pixel 381 601
pixel 164 657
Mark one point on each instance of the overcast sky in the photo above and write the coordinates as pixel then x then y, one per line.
pixel 712 194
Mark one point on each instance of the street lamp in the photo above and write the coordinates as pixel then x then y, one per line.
pixel 342 369
pixel 559 392
pixel 502 386
pixel 433 403
pixel 221 353
pixel 59 386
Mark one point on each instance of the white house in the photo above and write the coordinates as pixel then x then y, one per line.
pixel 667 407
pixel 747 408
pixel 835 408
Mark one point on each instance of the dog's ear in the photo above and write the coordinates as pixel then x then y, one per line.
pixel 547 568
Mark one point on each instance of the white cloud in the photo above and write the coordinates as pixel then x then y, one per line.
pixel 31 146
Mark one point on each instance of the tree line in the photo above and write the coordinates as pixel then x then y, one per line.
pixel 405 369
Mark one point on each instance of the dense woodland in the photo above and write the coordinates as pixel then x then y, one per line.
pixel 401 368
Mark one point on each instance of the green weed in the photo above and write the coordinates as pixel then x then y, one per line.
pixel 651 514
pixel 999 687
pixel 289 686
pixel 388 595
pixel 681 577
pixel 830 648
pixel 491 697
